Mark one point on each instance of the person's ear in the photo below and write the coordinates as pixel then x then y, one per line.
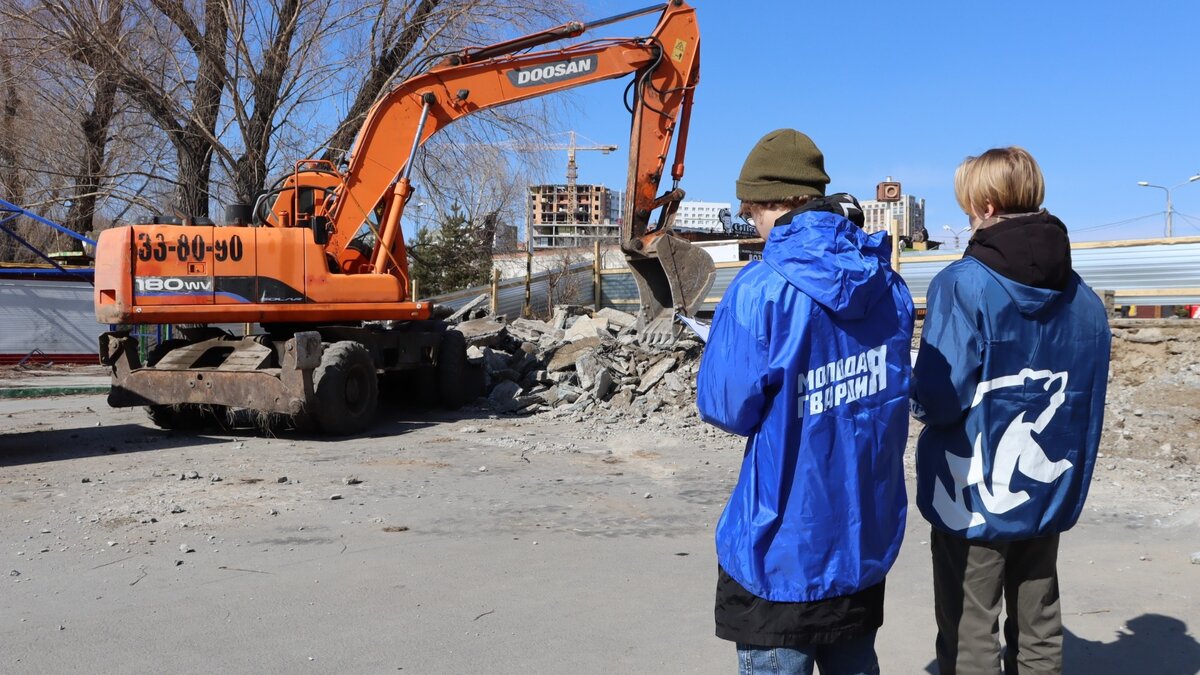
pixel 989 211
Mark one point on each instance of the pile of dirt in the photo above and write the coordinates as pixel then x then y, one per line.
pixel 1153 407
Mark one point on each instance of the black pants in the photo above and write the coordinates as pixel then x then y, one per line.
pixel 969 582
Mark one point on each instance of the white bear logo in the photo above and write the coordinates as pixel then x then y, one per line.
pixel 1016 451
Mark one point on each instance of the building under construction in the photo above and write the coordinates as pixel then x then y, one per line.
pixel 565 218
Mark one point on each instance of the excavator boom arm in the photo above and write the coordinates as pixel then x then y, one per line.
pixel 666 66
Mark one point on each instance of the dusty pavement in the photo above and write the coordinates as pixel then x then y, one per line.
pixel 489 543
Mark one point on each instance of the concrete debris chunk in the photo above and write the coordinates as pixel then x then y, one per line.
pixel 466 309
pixel 603 385
pixel 495 361
pixel 569 393
pixel 587 327
pixel 655 373
pixel 564 357
pixel 674 382
pixel 486 332
pixel 529 330
pixel 617 318
pixel 504 398
pixel 587 367
pixel 352 480
pixel 580 360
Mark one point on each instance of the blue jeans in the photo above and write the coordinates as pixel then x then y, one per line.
pixel 852 657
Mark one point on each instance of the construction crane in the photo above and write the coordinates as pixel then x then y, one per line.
pixel 573 171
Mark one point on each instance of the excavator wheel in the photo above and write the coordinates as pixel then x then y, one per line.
pixel 346 388
pixel 180 416
pixel 458 382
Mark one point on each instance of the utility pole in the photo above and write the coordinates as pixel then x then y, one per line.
pixel 956 233
pixel 1170 206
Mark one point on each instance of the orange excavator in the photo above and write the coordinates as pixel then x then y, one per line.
pixel 320 262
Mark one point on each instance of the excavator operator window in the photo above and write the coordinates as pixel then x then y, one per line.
pixel 364 240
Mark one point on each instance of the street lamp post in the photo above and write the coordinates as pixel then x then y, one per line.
pixel 1170 206
pixel 956 233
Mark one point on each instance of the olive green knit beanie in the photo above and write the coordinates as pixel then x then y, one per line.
pixel 785 163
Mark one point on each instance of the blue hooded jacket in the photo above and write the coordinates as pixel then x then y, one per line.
pixel 1010 381
pixel 808 355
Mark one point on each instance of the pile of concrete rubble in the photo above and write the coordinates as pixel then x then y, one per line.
pixel 581 361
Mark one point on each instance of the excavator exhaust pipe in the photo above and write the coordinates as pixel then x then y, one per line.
pixel 676 278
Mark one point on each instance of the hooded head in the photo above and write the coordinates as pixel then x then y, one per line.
pixel 821 251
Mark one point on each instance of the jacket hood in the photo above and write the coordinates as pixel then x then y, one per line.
pixel 831 260
pixel 1030 255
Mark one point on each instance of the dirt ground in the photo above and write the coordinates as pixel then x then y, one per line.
pixel 478 542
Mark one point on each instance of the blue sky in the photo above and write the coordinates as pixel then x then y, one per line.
pixel 1104 94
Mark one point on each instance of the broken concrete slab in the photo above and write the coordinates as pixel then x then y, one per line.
pixel 494 361
pixel 505 397
pixel 586 327
pixel 674 383
pixel 603 385
pixel 587 366
pixel 486 332
pixel 529 329
pixel 617 318
pixel 655 373
pixel 623 398
pixel 564 357
pixel 463 311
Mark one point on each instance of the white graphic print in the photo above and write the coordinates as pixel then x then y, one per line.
pixel 843 380
pixel 1016 451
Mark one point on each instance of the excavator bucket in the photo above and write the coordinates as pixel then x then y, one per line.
pixel 675 279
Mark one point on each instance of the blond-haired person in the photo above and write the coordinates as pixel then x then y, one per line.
pixel 1010 382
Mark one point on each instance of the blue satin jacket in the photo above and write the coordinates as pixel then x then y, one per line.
pixel 809 356
pixel 1010 381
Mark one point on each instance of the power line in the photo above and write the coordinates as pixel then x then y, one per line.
pixel 1119 222
pixel 1192 221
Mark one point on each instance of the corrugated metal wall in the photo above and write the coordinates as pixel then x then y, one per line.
pixel 56 317
pixel 575 288
pixel 1150 273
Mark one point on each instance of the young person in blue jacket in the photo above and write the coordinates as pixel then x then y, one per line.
pixel 1010 382
pixel 808 356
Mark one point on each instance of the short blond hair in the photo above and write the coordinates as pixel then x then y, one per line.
pixel 1007 178
pixel 750 210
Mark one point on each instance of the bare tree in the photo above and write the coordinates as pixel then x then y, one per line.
pixel 10 177
pixel 236 88
pixel 95 128
pixel 563 285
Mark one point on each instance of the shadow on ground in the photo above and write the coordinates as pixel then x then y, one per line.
pixel 55 445
pixel 1150 643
